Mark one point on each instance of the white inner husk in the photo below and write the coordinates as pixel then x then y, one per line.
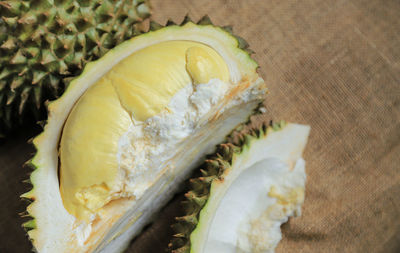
pixel 144 148
pixel 248 219
pixel 263 187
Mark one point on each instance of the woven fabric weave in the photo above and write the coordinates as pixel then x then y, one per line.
pixel 334 65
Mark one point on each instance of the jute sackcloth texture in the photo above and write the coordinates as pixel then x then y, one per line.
pixel 334 65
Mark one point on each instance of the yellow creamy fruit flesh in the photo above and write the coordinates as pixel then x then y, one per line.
pixel 138 87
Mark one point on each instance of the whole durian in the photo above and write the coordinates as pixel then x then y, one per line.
pixel 244 192
pixel 128 131
pixel 43 43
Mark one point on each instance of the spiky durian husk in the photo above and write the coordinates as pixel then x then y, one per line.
pixel 213 169
pixel 44 43
pixel 29 196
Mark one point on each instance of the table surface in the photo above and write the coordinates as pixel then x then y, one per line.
pixel 334 65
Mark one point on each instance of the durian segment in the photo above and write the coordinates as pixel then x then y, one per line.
pixel 149 78
pixel 123 219
pixel 140 86
pixel 253 207
pixel 88 148
pixel 247 191
pixel 204 65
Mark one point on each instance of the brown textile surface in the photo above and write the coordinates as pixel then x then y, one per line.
pixel 334 65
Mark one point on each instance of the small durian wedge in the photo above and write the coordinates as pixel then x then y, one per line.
pixel 130 129
pixel 247 190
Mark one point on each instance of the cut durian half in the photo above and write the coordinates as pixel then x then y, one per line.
pixel 130 129
pixel 245 193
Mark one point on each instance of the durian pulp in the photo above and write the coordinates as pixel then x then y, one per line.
pixel 136 89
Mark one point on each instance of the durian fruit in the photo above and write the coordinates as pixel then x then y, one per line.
pixel 43 43
pixel 246 191
pixel 128 131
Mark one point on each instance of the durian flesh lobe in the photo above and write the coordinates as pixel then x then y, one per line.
pixel 66 229
pixel 140 86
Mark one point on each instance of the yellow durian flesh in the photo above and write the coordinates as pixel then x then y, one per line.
pixel 203 65
pixel 138 87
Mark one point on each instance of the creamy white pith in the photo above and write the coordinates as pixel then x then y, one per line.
pixel 145 148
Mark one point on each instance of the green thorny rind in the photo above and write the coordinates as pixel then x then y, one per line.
pixel 30 195
pixel 205 20
pixel 46 43
pixel 213 169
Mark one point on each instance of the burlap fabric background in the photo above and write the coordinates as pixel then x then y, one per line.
pixel 332 64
